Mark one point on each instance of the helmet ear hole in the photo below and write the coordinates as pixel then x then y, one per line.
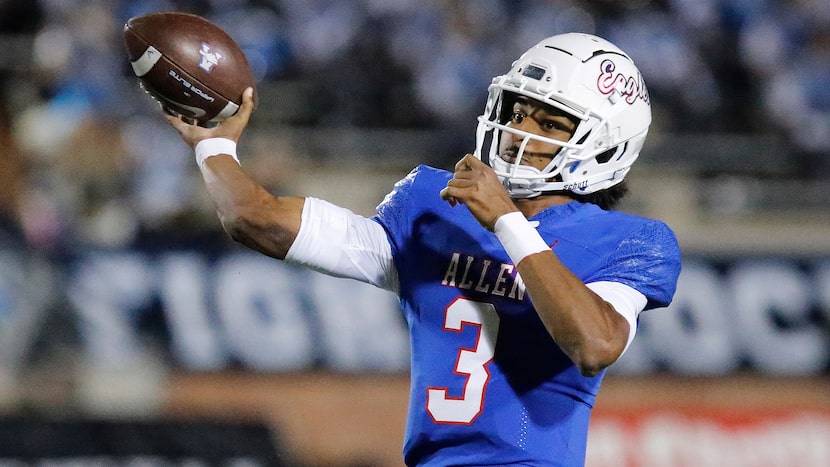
pixel 606 156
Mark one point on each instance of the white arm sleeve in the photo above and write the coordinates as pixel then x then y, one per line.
pixel 626 300
pixel 338 242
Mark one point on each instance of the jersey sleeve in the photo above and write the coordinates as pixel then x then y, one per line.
pixel 647 260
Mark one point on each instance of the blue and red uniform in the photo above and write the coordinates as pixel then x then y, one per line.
pixel 489 384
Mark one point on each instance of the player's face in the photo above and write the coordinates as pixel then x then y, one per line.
pixel 540 119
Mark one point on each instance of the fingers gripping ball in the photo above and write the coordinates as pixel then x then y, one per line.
pixel 188 64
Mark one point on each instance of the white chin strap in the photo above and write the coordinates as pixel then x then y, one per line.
pixel 521 181
pixel 524 181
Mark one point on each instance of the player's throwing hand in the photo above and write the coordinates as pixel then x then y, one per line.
pixel 475 185
pixel 231 128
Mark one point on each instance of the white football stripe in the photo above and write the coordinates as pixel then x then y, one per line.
pixel 146 61
pixel 228 111
pixel 197 112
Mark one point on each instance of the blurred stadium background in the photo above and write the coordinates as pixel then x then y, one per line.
pixel 132 332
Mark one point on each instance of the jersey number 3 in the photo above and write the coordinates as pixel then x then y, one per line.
pixel 471 362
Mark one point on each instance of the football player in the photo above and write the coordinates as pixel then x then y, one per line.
pixel 518 280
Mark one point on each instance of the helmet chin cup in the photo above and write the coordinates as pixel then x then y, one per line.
pixel 521 181
pixel 520 188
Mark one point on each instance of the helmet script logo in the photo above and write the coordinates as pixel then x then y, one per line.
pixel 632 87
pixel 209 59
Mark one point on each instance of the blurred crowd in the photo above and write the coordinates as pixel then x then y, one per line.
pixel 87 161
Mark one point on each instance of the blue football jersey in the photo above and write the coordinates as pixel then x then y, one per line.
pixel 488 384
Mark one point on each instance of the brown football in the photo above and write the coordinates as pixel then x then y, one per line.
pixel 188 64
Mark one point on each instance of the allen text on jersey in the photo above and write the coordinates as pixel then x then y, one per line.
pixel 482 275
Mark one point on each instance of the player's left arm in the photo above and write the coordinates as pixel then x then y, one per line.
pixel 585 326
pixel 589 329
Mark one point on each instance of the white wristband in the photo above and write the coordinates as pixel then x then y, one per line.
pixel 518 236
pixel 213 147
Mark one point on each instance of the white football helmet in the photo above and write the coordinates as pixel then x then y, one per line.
pixel 586 77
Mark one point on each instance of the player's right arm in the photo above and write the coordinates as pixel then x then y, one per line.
pixel 249 213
